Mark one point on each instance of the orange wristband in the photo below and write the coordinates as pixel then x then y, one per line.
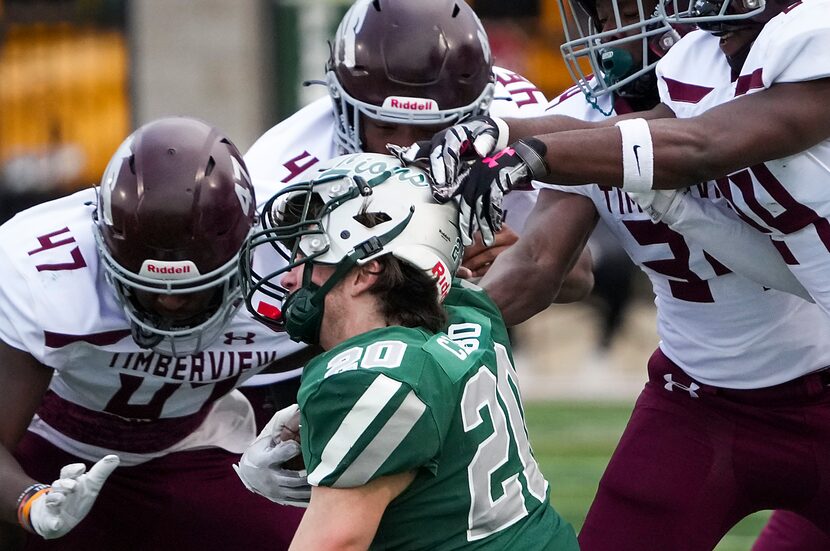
pixel 24 504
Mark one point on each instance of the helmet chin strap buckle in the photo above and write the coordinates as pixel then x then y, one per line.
pixel 369 247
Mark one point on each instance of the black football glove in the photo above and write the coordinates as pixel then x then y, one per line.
pixel 447 151
pixel 481 186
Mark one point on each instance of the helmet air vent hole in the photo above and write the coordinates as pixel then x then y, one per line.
pixel 455 10
pixel 376 5
pixel 372 219
pixel 131 162
pixel 211 164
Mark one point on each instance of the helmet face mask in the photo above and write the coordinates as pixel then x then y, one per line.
pixel 358 208
pixel 721 16
pixel 404 62
pixel 174 207
pixel 618 50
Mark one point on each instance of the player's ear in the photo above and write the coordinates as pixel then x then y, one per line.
pixel 365 277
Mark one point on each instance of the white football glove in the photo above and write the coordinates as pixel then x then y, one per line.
pixel 54 514
pixel 261 466
pixel 447 150
pixel 662 205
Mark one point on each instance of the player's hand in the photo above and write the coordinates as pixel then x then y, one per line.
pixel 481 186
pixel 446 152
pixel 662 205
pixel 263 470
pixel 71 497
pixel 478 257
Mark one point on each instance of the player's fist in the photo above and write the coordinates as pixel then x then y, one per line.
pixel 291 431
pixel 273 465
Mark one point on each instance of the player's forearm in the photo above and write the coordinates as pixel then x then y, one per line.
pixel 579 282
pixel 548 124
pixel 13 481
pixel 525 280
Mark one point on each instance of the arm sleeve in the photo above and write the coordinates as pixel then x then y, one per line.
pixel 747 252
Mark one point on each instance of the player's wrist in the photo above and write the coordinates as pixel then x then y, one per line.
pixel 24 504
pixel 503 135
pixel 637 155
pixel 532 152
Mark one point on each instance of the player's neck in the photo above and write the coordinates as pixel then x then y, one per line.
pixel 350 318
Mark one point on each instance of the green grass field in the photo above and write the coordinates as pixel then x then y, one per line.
pixel 573 443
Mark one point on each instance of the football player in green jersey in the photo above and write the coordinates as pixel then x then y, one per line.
pixel 412 427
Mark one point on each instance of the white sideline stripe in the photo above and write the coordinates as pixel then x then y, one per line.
pixel 383 444
pixel 354 424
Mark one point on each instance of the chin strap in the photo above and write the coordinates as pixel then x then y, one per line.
pixel 303 309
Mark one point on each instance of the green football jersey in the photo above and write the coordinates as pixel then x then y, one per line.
pixel 446 406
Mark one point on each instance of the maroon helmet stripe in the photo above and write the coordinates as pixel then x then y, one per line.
pixel 59 340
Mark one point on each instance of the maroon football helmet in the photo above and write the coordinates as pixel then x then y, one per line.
pixel 174 208
pixel 405 62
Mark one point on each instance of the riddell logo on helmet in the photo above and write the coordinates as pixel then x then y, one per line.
pixel 401 103
pixel 439 272
pixel 160 269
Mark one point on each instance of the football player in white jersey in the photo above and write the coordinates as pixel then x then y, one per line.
pixel 121 344
pixel 398 72
pixel 708 399
pixel 742 104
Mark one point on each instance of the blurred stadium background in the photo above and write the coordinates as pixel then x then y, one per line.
pixel 76 76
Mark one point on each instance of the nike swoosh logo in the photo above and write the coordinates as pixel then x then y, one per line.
pixel 637 158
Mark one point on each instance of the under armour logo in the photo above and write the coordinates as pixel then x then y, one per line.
pixel 670 384
pixel 247 337
pixel 493 162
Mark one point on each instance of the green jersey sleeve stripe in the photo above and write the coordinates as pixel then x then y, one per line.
pixel 367 407
pixel 383 444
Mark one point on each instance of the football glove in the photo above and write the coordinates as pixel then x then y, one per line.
pixel 447 151
pixel 482 184
pixel 660 204
pixel 55 513
pixel 261 467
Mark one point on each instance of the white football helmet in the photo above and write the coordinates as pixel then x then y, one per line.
pixel 356 208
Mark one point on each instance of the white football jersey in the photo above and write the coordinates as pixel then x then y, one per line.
pixel 787 198
pixel 721 328
pixel 283 155
pixel 56 305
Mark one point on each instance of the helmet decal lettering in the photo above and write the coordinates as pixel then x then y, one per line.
pixel 439 272
pixel 407 104
pixel 111 176
pixel 161 269
pixel 353 22
pixel 371 166
pixel 244 196
pixel 485 45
